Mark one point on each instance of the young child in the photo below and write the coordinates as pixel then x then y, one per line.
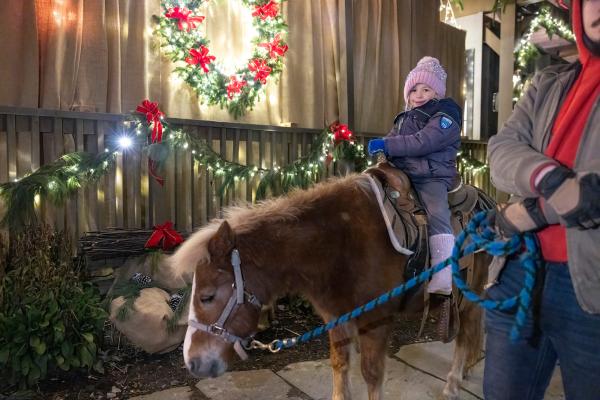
pixel 423 143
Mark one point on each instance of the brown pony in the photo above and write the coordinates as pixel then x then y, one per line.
pixel 328 244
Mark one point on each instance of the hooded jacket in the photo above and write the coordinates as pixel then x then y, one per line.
pixel 425 140
pixel 518 151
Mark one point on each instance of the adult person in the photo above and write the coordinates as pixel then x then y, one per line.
pixel 548 153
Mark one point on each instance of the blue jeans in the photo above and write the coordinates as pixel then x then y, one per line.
pixel 434 196
pixel 561 332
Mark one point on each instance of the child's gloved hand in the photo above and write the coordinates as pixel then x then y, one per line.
pixel 376 146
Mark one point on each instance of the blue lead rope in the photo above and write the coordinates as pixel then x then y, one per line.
pixel 483 237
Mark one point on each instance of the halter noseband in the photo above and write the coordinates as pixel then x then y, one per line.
pixel 238 297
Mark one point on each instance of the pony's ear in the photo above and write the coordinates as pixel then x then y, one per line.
pixel 223 241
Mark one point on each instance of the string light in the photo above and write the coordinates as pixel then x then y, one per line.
pixel 448 11
pixel 525 50
pixel 125 142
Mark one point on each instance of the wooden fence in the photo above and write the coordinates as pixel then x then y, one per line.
pixel 477 150
pixel 127 197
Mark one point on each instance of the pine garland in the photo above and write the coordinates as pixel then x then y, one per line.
pixel 301 172
pixel 60 179
pixel 55 182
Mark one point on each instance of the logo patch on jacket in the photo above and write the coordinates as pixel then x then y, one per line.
pixel 445 122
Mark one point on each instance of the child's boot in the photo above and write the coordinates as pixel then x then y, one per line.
pixel 440 287
pixel 440 247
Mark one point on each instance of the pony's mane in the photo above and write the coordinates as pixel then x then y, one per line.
pixel 244 219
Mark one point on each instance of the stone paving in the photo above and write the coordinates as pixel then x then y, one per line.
pixel 417 372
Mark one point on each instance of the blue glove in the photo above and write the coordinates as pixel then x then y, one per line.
pixel 376 146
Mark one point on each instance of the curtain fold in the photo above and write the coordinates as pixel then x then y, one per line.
pixel 100 55
pixel 390 36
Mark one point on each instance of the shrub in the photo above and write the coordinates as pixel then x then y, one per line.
pixel 49 319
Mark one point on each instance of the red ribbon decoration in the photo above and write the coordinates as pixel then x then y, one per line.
pixel 267 10
pixel 184 20
pixel 235 86
pixel 200 56
pixel 274 49
pixel 328 159
pixel 164 233
pixel 152 165
pixel 340 132
pixel 153 116
pixel 261 70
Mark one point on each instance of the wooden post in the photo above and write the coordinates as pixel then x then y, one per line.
pixel 507 59
pixel 349 24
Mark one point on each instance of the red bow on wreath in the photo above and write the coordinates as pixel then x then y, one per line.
pixel 153 116
pixel 200 56
pixel 340 132
pixel 267 10
pixel 184 20
pixel 274 48
pixel 261 70
pixel 164 233
pixel 235 86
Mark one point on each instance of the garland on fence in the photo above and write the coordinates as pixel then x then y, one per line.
pixel 526 52
pixel 190 52
pixel 332 144
pixel 149 130
pixel 470 165
pixel 54 182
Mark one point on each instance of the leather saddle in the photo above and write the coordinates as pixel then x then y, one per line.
pixel 409 222
pixel 408 216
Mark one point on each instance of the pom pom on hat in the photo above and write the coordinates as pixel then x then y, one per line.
pixel 430 72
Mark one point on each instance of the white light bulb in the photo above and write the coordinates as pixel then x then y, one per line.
pixel 125 142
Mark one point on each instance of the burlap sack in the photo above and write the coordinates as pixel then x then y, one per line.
pixel 146 324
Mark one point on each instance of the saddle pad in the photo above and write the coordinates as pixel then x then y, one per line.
pixel 399 234
pixel 463 199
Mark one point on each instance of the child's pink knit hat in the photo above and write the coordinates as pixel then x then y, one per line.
pixel 430 72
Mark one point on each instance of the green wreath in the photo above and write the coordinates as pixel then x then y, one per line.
pixel 189 50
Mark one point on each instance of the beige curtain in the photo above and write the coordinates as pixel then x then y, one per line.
pixel 100 55
pixel 390 36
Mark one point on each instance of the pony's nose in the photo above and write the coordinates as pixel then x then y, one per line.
pixel 195 366
pixel 215 369
pixel 202 369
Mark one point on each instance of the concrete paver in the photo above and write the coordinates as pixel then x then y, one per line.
pixel 260 384
pixel 401 381
pixel 417 371
pixel 178 393
pixel 436 359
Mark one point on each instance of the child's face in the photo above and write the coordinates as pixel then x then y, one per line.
pixel 420 94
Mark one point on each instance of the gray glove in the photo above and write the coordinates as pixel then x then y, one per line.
pixel 523 216
pixel 574 196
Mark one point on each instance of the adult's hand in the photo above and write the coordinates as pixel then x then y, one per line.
pixel 574 196
pixel 523 216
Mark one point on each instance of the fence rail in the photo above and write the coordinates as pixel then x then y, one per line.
pixel 477 150
pixel 128 197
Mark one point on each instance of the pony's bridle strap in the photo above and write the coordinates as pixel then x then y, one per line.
pixel 238 297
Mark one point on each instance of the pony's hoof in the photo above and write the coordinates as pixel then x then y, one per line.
pixel 449 394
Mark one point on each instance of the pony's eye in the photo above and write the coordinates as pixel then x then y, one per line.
pixel 207 299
